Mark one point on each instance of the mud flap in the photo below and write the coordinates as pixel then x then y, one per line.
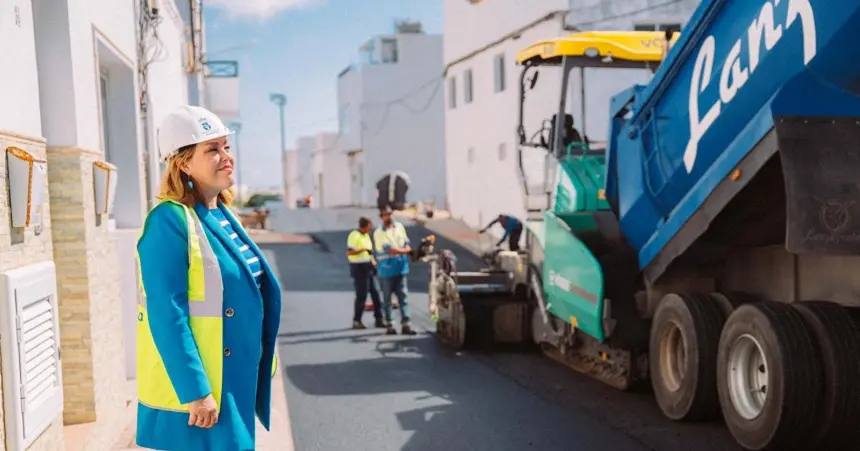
pixel 821 167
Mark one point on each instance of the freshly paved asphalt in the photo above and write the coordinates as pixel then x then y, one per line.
pixel 361 390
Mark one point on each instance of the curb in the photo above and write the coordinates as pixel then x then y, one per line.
pixel 280 435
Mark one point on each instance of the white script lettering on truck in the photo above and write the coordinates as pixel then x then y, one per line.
pixel 734 75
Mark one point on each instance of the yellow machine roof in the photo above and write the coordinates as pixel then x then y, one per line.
pixel 632 46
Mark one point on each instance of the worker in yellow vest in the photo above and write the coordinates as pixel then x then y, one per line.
pixel 210 305
pixel 362 268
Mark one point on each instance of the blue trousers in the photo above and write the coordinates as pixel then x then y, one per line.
pixel 395 285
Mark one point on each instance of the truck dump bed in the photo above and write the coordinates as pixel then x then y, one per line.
pixel 745 79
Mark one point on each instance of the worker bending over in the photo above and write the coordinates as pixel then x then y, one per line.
pixel 513 230
pixel 392 257
pixel 362 268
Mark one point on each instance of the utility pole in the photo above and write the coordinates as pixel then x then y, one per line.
pixel 281 101
pixel 237 127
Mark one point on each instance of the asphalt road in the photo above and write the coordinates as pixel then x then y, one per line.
pixel 362 390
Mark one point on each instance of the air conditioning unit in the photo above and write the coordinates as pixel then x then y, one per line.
pixel 30 348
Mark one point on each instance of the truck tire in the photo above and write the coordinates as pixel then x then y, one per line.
pixel 838 338
pixel 685 332
pixel 769 377
pixel 730 301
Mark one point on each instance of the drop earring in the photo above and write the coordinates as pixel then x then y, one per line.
pixel 190 184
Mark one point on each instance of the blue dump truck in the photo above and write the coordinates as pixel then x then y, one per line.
pixel 711 246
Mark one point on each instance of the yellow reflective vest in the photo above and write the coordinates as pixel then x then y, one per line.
pixel 205 310
pixel 358 240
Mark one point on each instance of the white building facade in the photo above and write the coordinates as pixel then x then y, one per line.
pixel 291 178
pixel 482 89
pixel 391 116
pixel 481 100
pixel 330 173
pixel 84 99
pixel 305 147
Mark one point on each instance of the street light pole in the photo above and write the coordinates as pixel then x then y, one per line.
pixel 281 101
pixel 237 127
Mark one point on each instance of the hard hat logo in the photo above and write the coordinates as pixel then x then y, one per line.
pixel 188 125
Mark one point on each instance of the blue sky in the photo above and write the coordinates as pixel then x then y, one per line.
pixel 300 47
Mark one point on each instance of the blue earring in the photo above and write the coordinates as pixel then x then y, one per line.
pixel 190 184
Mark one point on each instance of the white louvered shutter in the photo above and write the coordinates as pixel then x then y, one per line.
pixel 30 339
pixel 39 358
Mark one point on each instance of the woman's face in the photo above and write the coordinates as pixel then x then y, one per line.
pixel 211 165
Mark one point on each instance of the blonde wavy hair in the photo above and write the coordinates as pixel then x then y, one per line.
pixel 174 184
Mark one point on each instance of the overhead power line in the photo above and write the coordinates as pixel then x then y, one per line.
pixel 516 34
pixel 436 81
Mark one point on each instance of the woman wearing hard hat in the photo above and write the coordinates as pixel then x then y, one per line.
pixel 209 307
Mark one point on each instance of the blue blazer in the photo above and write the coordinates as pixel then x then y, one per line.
pixel 250 334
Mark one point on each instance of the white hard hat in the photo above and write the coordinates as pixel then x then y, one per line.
pixel 188 125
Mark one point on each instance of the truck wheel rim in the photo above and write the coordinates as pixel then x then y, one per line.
pixel 747 377
pixel 673 357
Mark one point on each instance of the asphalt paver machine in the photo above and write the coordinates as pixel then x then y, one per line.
pixel 711 246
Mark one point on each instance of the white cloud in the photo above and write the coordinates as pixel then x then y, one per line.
pixel 259 9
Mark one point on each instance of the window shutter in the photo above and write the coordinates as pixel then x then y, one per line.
pixel 39 357
pixel 30 340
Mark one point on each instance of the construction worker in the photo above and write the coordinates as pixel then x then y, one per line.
pixel 392 256
pixel 513 230
pixel 210 305
pixel 362 268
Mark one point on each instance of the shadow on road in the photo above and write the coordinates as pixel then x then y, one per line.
pixel 452 407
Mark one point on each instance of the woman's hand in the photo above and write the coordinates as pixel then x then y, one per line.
pixel 203 412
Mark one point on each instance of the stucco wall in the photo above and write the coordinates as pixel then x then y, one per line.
pixel 480 137
pixel 168 83
pixel 19 84
pixel 21 247
pixel 305 147
pixel 349 98
pixel 403 119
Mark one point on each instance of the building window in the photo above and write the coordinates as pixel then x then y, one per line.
pixel 656 26
pixel 467 86
pixel 503 151
pixel 389 50
pixel 499 71
pixel 366 53
pixel 452 92
pixel 103 97
pixel 470 155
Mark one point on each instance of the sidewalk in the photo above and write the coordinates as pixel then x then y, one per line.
pixel 269 237
pixel 279 438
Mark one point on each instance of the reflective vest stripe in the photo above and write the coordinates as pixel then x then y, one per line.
pixel 205 310
pixel 396 237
